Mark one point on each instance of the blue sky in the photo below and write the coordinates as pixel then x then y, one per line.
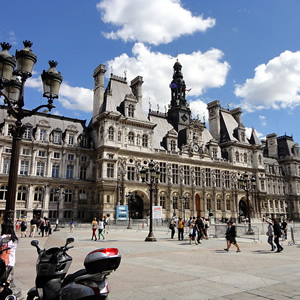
pixel 243 53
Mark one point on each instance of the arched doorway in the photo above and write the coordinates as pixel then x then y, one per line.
pixel 198 206
pixel 243 210
pixel 136 207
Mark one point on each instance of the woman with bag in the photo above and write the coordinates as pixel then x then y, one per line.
pixel 172 227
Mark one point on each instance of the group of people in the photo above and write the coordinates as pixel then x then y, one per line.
pixel 98 228
pixel 275 231
pixel 37 224
pixel 198 228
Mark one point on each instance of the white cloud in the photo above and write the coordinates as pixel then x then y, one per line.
pixel 155 22
pixel 201 71
pixel 73 98
pixel 199 110
pixel 263 120
pixel 275 84
pixel 259 135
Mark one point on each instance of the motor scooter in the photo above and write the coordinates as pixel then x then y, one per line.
pixel 5 291
pixel 89 283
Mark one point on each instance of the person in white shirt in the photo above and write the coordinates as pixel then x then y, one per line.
pixel 100 229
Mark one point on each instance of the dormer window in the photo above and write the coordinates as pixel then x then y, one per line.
pixel 111 133
pixel 145 140
pixel 57 137
pixel 131 138
pixel 173 145
pixel 71 139
pixel 42 135
pixel 27 133
pixel 131 110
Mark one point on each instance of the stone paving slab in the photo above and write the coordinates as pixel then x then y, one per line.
pixel 169 269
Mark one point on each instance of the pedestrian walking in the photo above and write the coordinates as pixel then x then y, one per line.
pixel 230 237
pixel 33 226
pixel 94 228
pixel 284 228
pixel 100 229
pixel 270 234
pixel 277 235
pixel 193 231
pixel 172 226
pixel 23 228
pixel 180 229
pixel 206 227
pixel 200 228
pixel 72 225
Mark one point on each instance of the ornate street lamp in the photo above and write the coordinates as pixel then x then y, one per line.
pixel 12 69
pixel 184 200
pixel 248 185
pixel 130 198
pixel 154 174
pixel 174 205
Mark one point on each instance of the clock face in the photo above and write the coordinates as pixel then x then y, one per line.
pixel 196 148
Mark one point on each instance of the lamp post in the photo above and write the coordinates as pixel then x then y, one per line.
pixel 59 194
pixel 130 197
pixel 174 206
pixel 248 184
pixel 154 174
pixel 184 200
pixel 12 89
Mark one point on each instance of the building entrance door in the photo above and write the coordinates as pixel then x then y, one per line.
pixel 137 207
pixel 198 206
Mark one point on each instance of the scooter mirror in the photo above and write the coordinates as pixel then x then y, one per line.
pixel 69 241
pixel 35 243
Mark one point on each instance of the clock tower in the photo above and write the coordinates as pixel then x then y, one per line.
pixel 179 113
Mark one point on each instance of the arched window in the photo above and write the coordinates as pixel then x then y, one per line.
pixel 111 133
pixel 131 110
pixel 3 192
pixel 38 194
pixel 145 140
pixel 21 193
pixel 237 157
pixel 53 194
pixel 68 195
pixel 131 138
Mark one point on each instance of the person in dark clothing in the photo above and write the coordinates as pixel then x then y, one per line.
pixel 284 227
pixel 200 228
pixel 230 237
pixel 277 235
pixel 172 227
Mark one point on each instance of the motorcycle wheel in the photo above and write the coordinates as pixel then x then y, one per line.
pixel 32 296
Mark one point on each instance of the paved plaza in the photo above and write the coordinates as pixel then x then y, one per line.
pixel 172 269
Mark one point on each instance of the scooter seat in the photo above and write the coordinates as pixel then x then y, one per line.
pixel 71 277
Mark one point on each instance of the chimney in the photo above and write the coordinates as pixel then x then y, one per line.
pixel 98 89
pixel 136 87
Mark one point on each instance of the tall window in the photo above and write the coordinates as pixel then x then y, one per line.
pixel 227 179
pixel 175 171
pixel 68 195
pixel 208 204
pixel 55 170
pixel 120 136
pixel 6 164
pixel 21 196
pixel 131 110
pixel 218 204
pixel 131 138
pixel 27 133
pixel 186 173
pixel 110 170
pixel 26 151
pixel 71 139
pixel 111 133
pixel 162 201
pixel 101 133
pixel 82 174
pixel 57 137
pixel 197 176
pixel 145 140
pixel 42 135
pixel 228 204
pixel 208 177
pixel 3 192
pixel 24 166
pixel 130 173
pixel 70 171
pixel 237 156
pixel 53 194
pixel 40 168
pixel 218 178
pixel 245 157
pixel 173 145
pixel 38 194
pixel 163 172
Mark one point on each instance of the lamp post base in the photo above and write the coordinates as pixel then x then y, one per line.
pixel 150 238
